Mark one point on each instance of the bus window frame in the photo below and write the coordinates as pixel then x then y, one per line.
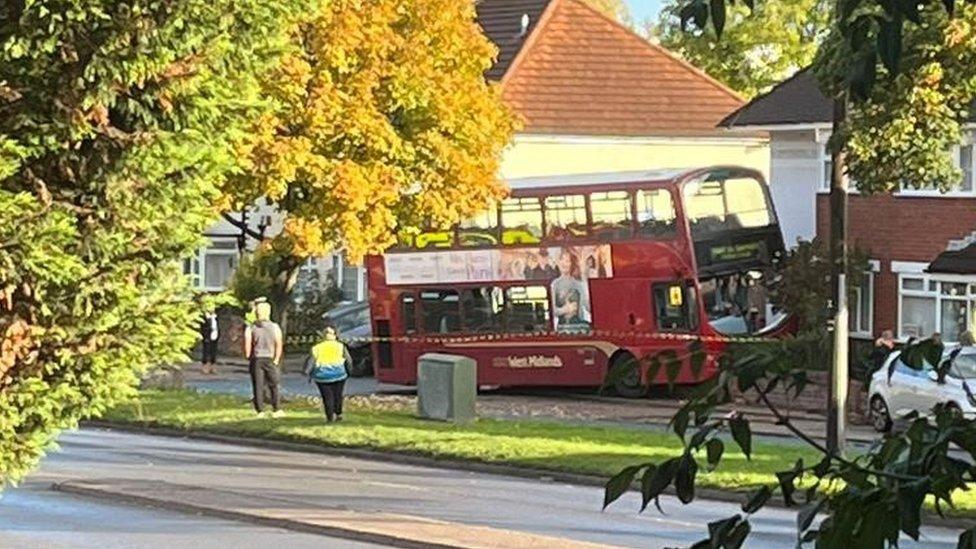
pixel 496 233
pixel 423 319
pixel 631 199
pixel 503 325
pixel 675 205
pixel 690 305
pixel 675 190
pixel 416 308
pixel 709 177
pixel 540 199
pixel 546 238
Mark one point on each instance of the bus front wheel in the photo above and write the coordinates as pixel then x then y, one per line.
pixel 625 376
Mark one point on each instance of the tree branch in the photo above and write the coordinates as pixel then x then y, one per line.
pixel 785 421
pixel 242 226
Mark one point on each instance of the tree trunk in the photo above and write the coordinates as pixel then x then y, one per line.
pixel 284 285
pixel 837 390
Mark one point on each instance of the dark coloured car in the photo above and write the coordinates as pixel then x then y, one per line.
pixel 351 320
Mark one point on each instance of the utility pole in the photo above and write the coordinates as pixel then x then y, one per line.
pixel 837 390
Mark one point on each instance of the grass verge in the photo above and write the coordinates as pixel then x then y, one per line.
pixel 378 424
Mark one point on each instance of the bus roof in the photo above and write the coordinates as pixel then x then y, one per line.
pixel 600 178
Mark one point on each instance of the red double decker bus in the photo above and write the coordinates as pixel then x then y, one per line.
pixel 572 277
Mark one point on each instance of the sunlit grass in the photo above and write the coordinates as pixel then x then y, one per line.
pixel 377 425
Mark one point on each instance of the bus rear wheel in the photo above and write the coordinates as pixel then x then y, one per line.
pixel 624 376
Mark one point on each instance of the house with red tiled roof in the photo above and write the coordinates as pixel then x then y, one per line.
pixel 597 97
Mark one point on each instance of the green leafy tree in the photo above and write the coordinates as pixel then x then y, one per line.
pixel 867 500
pixel 383 121
pixel 801 285
pixel 757 50
pixel 118 121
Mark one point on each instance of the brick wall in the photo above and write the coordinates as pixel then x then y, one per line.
pixel 894 228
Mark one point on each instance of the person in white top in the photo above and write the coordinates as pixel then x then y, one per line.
pixel 209 334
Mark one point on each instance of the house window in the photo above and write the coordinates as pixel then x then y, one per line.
pixel 212 267
pixel 964 156
pixel 932 303
pixel 862 306
pixel 191 268
pixel 219 263
pixel 826 169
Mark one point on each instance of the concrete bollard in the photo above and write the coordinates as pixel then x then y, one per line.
pixel 447 387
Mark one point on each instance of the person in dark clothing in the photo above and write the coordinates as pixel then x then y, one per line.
pixel 328 366
pixel 264 347
pixel 883 346
pixel 208 335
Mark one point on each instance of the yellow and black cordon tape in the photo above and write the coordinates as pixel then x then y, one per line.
pixel 519 336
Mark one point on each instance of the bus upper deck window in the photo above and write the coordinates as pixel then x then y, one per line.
pixel 479 230
pixel 565 217
pixel 705 206
pixel 747 206
pixel 521 221
pixel 675 306
pixel 655 213
pixel 610 213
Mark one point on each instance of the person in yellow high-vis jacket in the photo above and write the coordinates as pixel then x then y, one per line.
pixel 328 366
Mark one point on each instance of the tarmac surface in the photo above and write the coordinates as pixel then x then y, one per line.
pixel 323 488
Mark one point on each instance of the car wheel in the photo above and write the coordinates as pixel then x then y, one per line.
pixel 880 417
pixel 625 378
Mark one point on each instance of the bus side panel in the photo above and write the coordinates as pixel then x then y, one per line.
pixel 536 363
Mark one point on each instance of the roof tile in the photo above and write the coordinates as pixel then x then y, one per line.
pixel 587 74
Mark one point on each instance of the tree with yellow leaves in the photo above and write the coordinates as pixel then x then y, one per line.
pixel 384 122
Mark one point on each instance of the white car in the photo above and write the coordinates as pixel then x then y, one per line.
pixel 919 390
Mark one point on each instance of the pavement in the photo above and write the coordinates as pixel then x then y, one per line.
pixel 343 497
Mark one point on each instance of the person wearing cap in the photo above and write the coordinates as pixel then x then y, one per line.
pixel 328 366
pixel 264 348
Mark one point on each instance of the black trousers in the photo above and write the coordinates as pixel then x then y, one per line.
pixel 264 374
pixel 332 397
pixel 209 354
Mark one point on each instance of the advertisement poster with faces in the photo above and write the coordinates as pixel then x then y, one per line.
pixel 565 269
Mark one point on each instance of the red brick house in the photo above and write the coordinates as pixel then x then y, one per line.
pixel 923 276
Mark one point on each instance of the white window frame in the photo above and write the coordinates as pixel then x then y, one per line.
pixel 916 271
pixel 823 158
pixel 936 193
pixel 198 279
pixel 193 274
pixel 874 266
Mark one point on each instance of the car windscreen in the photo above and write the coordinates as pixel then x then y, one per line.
pixel 348 320
pixel 964 366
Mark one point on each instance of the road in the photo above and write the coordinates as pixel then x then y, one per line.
pixel 319 481
pixel 33 515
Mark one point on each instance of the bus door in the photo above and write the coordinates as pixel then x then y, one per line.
pixel 674 305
